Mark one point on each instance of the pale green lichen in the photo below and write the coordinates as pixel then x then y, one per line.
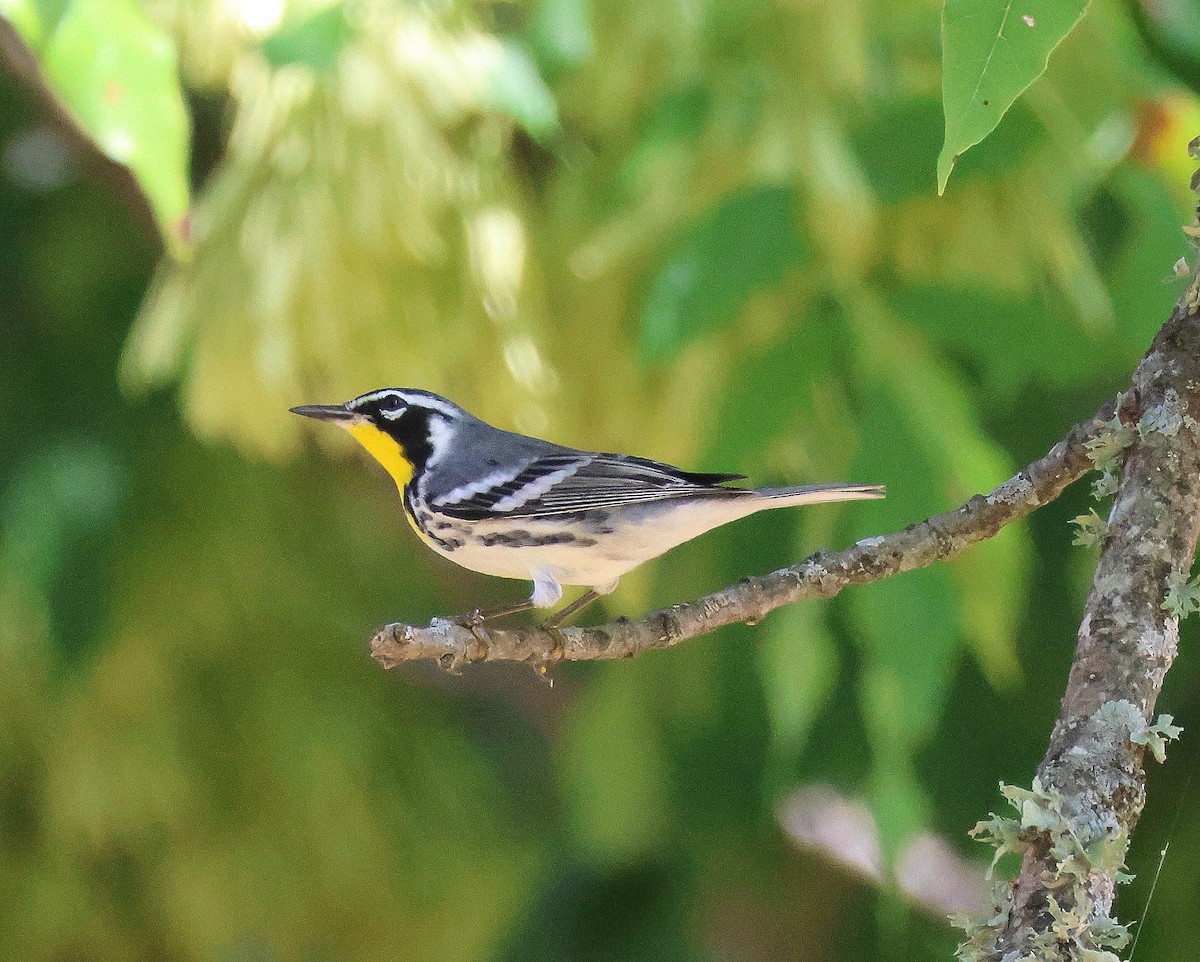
pixel 1167 418
pixel 1105 486
pixel 981 930
pixel 1105 452
pixel 1156 736
pixel 1108 933
pixel 1183 596
pixel 1079 928
pixel 1090 529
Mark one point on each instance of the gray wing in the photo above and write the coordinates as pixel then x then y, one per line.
pixel 580 481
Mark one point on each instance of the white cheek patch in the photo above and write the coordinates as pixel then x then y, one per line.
pixel 440 433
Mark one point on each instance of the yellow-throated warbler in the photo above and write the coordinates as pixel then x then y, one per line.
pixel 509 505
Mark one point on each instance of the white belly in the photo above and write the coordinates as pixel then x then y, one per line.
pixel 589 554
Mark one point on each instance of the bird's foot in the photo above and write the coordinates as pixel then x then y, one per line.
pixel 471 619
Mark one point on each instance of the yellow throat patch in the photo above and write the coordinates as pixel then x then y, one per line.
pixel 386 450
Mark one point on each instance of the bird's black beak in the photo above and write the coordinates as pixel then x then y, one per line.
pixel 325 412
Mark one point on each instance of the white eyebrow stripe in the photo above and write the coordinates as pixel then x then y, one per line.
pixel 418 400
pixel 465 491
pixel 432 403
pixel 365 398
pixel 536 488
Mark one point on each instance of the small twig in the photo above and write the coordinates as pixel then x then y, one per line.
pixel 821 575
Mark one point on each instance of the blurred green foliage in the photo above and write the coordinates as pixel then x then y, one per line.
pixel 704 233
pixel 991 53
pixel 115 72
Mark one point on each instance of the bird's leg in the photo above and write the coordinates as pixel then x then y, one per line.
pixel 575 606
pixel 478 617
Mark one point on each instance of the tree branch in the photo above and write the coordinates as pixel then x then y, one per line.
pixel 821 575
pixel 1074 825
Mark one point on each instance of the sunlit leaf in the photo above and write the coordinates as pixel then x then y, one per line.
pixel 519 90
pixel 313 41
pixel 560 32
pixel 992 50
pixel 27 17
pixel 743 246
pixel 116 73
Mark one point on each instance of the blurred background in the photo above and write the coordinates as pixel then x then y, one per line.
pixel 705 232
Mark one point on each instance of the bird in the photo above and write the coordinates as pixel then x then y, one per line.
pixel 513 506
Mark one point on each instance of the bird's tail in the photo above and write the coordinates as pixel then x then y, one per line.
pixel 818 493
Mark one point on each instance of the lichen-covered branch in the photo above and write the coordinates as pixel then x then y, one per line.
pixel 822 575
pixel 1073 827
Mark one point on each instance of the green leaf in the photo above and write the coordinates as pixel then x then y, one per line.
pixel 312 41
pixel 742 246
pixel 992 50
pixel 60 493
pixel 519 90
pixel 678 115
pixel 798 666
pixel 1142 222
pixel 898 803
pixel 896 141
pixel 932 414
pixel 801 431
pixel 26 17
pixel 1025 341
pixel 908 627
pixel 116 73
pixel 560 33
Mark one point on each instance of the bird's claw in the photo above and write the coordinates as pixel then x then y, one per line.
pixel 471 620
pixel 559 651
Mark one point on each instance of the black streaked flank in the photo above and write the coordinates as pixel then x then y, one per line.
pixel 423 520
pixel 527 539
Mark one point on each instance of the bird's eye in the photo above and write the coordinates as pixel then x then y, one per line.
pixel 391 402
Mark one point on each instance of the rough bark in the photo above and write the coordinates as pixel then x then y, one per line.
pixel 1075 825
